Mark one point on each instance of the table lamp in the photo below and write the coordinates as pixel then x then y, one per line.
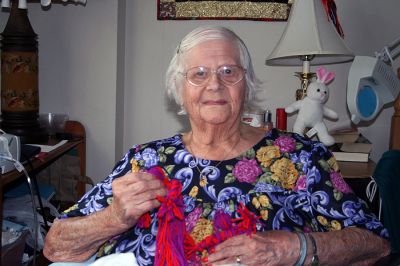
pixel 309 39
pixel 19 73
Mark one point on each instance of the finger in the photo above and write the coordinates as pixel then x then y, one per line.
pixel 146 196
pixel 127 195
pixel 133 185
pixel 148 205
pixel 136 203
pixel 226 253
pixel 145 176
pixel 138 210
pixel 231 242
pixel 133 194
pixel 132 213
pixel 243 258
pixel 138 176
pixel 228 261
pixel 219 257
pixel 143 186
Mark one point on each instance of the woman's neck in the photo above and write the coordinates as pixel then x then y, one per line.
pixel 214 143
pixel 214 136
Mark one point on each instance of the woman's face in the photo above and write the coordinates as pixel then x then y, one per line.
pixel 214 102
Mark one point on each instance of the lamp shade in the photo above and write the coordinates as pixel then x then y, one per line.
pixel 309 33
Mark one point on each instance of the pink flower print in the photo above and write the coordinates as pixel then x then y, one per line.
pixel 285 143
pixel 301 183
pixel 339 183
pixel 136 148
pixel 246 170
pixel 192 218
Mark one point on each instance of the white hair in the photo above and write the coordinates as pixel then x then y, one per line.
pixel 174 81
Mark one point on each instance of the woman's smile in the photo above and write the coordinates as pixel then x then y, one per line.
pixel 214 102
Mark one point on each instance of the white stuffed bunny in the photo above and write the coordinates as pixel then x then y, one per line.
pixel 312 109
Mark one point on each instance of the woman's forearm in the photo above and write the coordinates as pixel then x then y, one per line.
pixel 77 239
pixel 350 246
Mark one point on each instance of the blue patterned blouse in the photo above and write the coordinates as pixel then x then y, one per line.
pixel 289 182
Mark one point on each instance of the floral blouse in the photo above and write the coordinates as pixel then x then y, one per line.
pixel 289 182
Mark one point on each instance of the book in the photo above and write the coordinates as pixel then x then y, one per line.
pixel 351 156
pixel 350 135
pixel 350 145
pixel 352 152
pixel 356 147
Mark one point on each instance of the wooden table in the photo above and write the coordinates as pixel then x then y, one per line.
pixel 78 141
pixel 356 169
pixel 43 162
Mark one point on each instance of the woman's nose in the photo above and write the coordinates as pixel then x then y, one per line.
pixel 214 82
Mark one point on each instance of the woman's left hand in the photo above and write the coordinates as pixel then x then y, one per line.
pixel 264 248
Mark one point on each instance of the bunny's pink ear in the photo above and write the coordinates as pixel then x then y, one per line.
pixel 329 76
pixel 321 73
pixel 324 76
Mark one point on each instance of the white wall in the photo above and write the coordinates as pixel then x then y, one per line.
pixel 368 26
pixel 151 44
pixel 106 68
pixel 77 72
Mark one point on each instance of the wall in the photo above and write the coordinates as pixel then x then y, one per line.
pixel 104 65
pixel 77 71
pixel 152 44
pixel 368 26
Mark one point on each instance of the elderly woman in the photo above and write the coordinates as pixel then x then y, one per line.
pixel 223 192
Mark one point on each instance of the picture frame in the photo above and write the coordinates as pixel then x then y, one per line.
pixel 259 10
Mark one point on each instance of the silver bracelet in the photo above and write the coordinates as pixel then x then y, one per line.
pixel 303 249
pixel 315 259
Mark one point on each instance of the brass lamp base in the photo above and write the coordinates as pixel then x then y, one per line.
pixel 305 79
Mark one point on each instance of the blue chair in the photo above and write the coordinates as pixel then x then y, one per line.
pixel 387 176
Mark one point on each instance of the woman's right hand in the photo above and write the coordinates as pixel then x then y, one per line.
pixel 133 195
pixel 78 238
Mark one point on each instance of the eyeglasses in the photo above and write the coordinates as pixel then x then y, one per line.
pixel 199 76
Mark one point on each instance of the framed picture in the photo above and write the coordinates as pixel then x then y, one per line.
pixel 264 10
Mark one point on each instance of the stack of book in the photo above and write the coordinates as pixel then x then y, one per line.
pixel 350 146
